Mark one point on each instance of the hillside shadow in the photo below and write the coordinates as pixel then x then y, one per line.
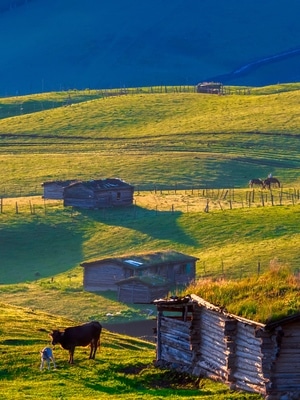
pixel 162 225
pixel 34 250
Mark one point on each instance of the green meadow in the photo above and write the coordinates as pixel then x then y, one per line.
pixel 147 139
pixel 182 151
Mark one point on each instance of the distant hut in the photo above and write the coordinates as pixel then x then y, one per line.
pixel 168 267
pixel 55 189
pixel 205 340
pixel 210 87
pixel 99 194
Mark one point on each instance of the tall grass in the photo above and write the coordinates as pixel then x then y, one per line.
pixel 264 298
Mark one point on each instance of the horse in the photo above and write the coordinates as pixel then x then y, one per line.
pixel 256 182
pixel 271 181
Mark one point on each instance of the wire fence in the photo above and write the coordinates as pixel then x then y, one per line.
pixel 178 199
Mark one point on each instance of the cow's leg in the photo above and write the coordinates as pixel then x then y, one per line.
pixel 71 352
pixel 92 352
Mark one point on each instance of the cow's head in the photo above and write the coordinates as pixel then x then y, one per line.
pixel 56 337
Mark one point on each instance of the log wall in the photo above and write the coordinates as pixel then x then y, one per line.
pixel 102 278
pixel 136 292
pixel 285 366
pixel 241 353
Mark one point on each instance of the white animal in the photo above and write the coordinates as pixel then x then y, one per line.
pixel 47 356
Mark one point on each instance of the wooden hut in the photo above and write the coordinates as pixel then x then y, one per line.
pixel 210 87
pixel 99 194
pixel 55 189
pixel 104 274
pixel 204 340
pixel 142 289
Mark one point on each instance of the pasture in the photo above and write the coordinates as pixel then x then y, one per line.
pixel 158 139
pixel 183 152
pixel 123 367
pixel 51 243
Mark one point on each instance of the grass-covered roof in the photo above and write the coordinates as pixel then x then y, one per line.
pixel 265 298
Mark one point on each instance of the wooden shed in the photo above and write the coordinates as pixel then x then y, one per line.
pixel 100 193
pixel 204 340
pixel 55 189
pixel 142 289
pixel 210 87
pixel 176 268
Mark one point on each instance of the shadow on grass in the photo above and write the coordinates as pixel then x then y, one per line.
pixel 162 225
pixel 35 249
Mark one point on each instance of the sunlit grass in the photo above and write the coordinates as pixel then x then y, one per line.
pixel 184 139
pixel 263 298
pixel 123 367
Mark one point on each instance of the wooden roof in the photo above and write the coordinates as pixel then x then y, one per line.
pixel 174 302
pixel 145 260
pixel 60 183
pixel 102 184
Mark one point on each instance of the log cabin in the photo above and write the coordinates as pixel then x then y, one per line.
pixel 99 193
pixel 177 269
pixel 204 340
pixel 210 87
pixel 55 189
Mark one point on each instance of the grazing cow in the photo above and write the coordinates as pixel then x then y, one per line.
pixel 47 356
pixel 83 335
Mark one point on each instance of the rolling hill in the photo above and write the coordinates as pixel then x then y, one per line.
pixel 53 45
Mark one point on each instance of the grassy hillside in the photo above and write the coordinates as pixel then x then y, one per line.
pixel 166 139
pixel 41 252
pixel 123 367
pixel 164 142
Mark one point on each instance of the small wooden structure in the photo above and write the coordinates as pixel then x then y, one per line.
pixel 176 269
pixel 142 289
pixel 100 193
pixel 55 189
pixel 210 87
pixel 204 340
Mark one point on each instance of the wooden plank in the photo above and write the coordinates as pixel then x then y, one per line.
pixel 250 387
pixel 175 322
pixel 171 355
pixel 182 345
pixel 248 355
pixel 245 376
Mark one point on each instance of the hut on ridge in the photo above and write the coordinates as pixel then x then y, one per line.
pixel 210 87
